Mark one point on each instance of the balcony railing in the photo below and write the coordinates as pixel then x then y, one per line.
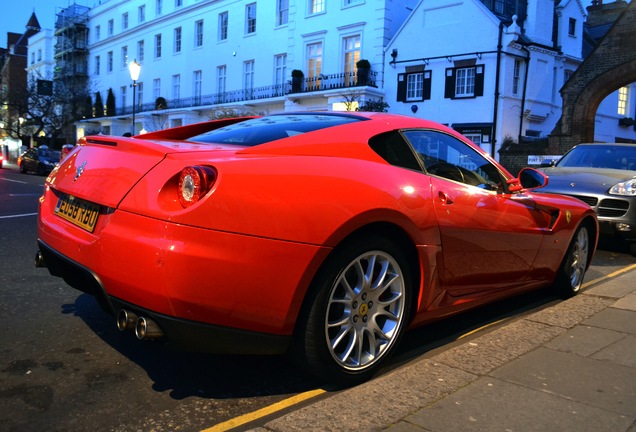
pixel 315 84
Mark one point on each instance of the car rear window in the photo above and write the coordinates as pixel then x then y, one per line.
pixel 271 128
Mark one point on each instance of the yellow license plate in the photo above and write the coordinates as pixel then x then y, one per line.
pixel 77 211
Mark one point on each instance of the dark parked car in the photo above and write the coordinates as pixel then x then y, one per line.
pixel 41 160
pixel 602 175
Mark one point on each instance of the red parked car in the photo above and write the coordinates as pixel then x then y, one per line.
pixel 323 234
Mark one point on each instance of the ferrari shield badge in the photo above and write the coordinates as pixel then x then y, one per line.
pixel 568 216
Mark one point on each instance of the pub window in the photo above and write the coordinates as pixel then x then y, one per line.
pixel 572 27
pixel 464 82
pixel 414 85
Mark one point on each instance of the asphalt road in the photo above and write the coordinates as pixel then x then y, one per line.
pixel 64 366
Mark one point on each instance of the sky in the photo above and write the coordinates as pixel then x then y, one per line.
pixel 16 14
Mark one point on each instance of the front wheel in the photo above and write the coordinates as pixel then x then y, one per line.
pixel 356 311
pixel 570 278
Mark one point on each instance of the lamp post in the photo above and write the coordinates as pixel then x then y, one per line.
pixel 134 68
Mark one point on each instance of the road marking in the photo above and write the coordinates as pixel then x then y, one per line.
pixel 610 276
pixel 25 195
pixel 249 417
pixel 17 216
pixel 15 181
pixel 278 406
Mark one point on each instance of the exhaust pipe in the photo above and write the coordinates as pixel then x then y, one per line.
pixel 126 320
pixel 39 260
pixel 147 329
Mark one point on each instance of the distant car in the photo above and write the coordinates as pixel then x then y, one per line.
pixel 40 160
pixel 604 176
pixel 325 234
pixel 1 160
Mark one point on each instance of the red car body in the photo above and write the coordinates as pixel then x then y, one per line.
pixel 233 271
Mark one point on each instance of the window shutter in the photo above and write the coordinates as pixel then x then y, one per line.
pixel 479 80
pixel 428 77
pixel 449 89
pixel 401 88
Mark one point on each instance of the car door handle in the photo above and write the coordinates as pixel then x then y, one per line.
pixel 444 198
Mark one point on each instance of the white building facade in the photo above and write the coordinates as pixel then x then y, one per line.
pixel 497 82
pixel 202 59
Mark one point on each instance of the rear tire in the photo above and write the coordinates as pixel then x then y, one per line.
pixel 356 311
pixel 570 277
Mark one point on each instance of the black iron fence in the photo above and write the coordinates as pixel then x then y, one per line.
pixel 305 85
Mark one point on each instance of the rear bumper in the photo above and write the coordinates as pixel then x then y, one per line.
pixel 179 333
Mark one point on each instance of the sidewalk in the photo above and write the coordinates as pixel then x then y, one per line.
pixel 569 367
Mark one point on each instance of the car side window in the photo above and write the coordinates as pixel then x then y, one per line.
pixel 393 148
pixel 446 156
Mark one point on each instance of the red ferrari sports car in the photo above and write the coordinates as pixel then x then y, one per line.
pixel 326 235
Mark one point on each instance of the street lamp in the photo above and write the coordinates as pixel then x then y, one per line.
pixel 134 68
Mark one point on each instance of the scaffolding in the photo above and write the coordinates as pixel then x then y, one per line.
pixel 71 46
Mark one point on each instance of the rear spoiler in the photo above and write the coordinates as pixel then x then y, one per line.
pixel 185 132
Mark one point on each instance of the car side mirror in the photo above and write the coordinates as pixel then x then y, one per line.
pixel 530 178
pixel 548 163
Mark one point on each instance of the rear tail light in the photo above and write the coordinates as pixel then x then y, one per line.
pixel 194 183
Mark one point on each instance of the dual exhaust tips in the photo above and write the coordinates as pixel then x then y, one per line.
pixel 145 328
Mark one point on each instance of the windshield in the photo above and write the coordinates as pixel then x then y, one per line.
pixel 265 129
pixel 622 157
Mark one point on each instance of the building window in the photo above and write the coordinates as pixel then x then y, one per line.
pixel 464 82
pixel 177 40
pixel 156 88
pixel 140 51
pixel 196 86
pixel 280 71
pixel 316 6
pixel 109 61
pixel 516 77
pixel 250 18
pixel 39 55
pixel 414 85
pixel 221 76
pixel 123 92
pixel 158 7
pixel 158 46
pixel 178 3
pixel 282 12
pixel 98 31
pixel 623 97
pixel 351 2
pixel 314 62
pixel 248 78
pixel 572 27
pixel 351 48
pixel 176 87
pixel 97 65
pixel 124 56
pixel 111 27
pixel 32 58
pixel 198 33
pixel 141 14
pixel 223 22
pixel 124 21
pixel 140 94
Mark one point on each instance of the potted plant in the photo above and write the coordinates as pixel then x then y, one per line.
pixel 363 67
pixel 297 80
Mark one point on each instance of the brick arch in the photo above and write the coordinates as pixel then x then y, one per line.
pixel 610 66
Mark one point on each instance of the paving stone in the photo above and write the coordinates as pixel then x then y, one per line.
pixel 614 319
pixel 600 384
pixel 622 352
pixel 585 340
